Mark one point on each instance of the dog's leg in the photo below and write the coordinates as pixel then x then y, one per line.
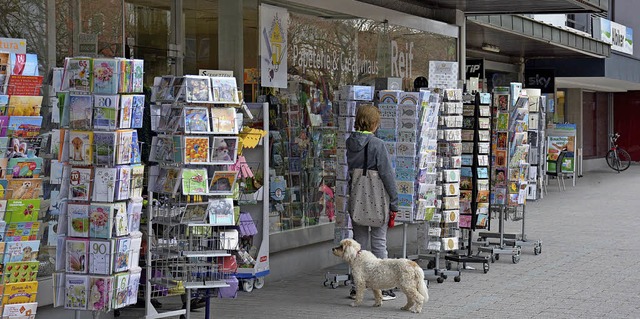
pixel 360 289
pixel 414 300
pixel 377 294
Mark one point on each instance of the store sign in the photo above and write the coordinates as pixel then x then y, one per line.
pixel 11 45
pixel 274 25
pixel 543 79
pixel 619 36
pixel 401 60
pixel 216 73
pixel 475 68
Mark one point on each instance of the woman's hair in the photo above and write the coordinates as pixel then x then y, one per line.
pixel 367 118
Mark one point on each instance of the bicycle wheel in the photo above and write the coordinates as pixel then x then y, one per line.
pixel 624 159
pixel 612 161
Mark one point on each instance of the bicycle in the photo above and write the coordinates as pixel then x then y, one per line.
pixel 617 158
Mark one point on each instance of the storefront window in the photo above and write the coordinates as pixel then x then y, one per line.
pixel 325 54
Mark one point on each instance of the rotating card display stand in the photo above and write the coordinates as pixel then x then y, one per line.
pixel 474 180
pixel 191 222
pixel 441 232
pixel 21 184
pixel 511 109
pixel 347 104
pixel 101 182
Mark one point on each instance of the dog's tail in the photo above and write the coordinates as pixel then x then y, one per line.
pixel 422 285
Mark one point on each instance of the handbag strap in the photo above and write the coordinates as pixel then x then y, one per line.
pixel 366 151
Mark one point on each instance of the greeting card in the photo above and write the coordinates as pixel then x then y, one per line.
pixel 137 75
pixel 225 90
pixel 80 111
pixel 122 254
pixel 25 210
pixel 22 167
pixel 100 293
pixel 162 149
pixel 105 76
pixel 78 220
pixel 81 148
pixel 126 76
pixel 126 104
pixel 220 212
pixel 24 105
pixel 100 220
pixel 196 149
pixel 120 220
pixel 121 290
pixel 125 146
pixel 20 311
pixel 223 181
pixel 195 213
pixel 21 251
pixel 136 244
pixel 20 231
pixel 22 271
pixel 105 144
pixel 77 255
pixel 223 120
pixel 134 213
pixel 100 257
pixel 134 285
pixel 194 181
pixel 137 181
pixel 196 119
pixel 24 126
pixel 198 89
pixel 20 293
pixel 136 155
pixel 22 188
pixel 123 183
pixel 105 110
pixel 167 179
pixel 77 291
pixel 77 75
pixel 137 111
pixel 80 184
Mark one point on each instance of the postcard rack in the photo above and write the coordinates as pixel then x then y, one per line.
pixel 21 181
pixel 474 179
pixel 511 110
pixel 100 177
pixel 441 232
pixel 195 226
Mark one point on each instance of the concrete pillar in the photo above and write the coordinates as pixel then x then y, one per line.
pixel 573 112
pixel 461 22
pixel 230 38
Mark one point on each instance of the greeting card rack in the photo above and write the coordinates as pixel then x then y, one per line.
pixel 346 105
pixel 511 121
pixel 100 177
pixel 196 191
pixel 474 179
pixel 21 181
pixel 440 234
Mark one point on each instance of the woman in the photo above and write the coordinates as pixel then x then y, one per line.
pixel 367 122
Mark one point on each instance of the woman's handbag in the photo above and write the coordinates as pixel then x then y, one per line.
pixel 368 199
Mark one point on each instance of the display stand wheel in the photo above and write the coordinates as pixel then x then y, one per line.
pixel 537 250
pixel 334 285
pixel 485 267
pixel 440 280
pixel 497 256
pixel 247 285
pixel 515 259
pixel 326 283
pixel 116 313
pixel 258 283
pixel 347 282
pixel 456 278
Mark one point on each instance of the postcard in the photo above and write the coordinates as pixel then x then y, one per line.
pixel 77 292
pixel 100 220
pixel 137 111
pixel 21 251
pixel 220 212
pixel 81 148
pixel 198 89
pixel 126 105
pixel 225 90
pixel 196 119
pixel 105 110
pixel 196 149
pixel 223 120
pixel 100 256
pixel 195 213
pixel 80 184
pixel 223 181
pixel 80 111
pixel 105 76
pixel 78 220
pixel 24 126
pixel 24 105
pixel 105 143
pixel 23 188
pixel 194 181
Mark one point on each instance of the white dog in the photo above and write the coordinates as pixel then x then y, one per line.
pixel 371 272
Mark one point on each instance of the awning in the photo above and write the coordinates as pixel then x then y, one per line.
pixel 471 7
pixel 521 37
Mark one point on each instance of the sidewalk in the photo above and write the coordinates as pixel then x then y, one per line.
pixel 588 268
